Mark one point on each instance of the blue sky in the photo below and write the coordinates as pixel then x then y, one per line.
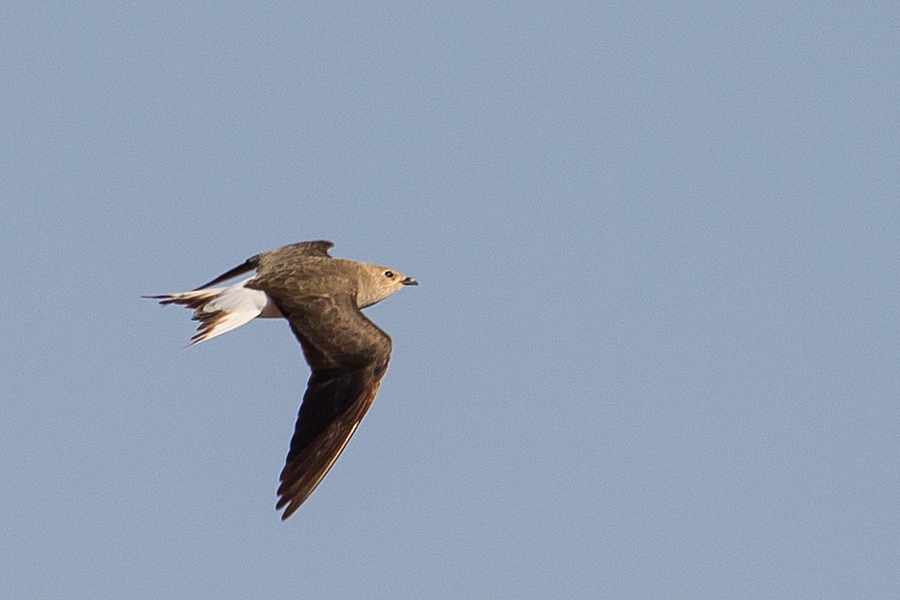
pixel 654 352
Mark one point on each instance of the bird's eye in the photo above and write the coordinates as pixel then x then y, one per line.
pixel 389 274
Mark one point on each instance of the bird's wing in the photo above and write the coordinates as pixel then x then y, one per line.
pixel 348 355
pixel 318 248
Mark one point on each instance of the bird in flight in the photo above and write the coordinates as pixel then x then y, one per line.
pixel 321 298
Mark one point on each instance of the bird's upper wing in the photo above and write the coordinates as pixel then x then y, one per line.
pixel 318 248
pixel 348 355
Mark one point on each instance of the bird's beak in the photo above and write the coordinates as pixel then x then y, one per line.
pixel 409 281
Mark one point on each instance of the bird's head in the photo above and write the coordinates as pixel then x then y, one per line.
pixel 377 283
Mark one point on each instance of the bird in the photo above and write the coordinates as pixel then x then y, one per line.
pixel 321 298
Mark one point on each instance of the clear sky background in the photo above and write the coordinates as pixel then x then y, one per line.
pixel 655 352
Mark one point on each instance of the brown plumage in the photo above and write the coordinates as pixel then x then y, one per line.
pixel 321 298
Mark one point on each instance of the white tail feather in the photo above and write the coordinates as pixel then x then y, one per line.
pixel 222 309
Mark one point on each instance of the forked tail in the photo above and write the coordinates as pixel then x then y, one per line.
pixel 222 309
